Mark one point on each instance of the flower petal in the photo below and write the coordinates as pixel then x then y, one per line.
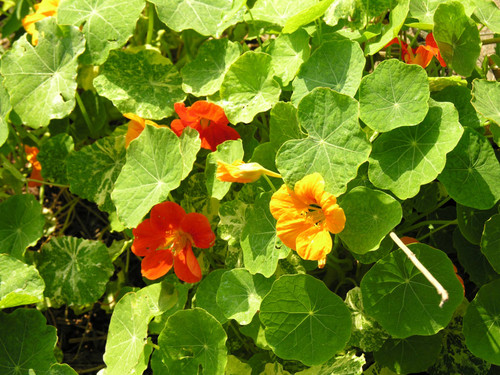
pixel 310 189
pixel 167 216
pixel 147 238
pixel 135 129
pixel 209 111
pixel 215 134
pixel 290 225
pixel 157 264
pixel 186 266
pixel 198 226
pixel 334 215
pixel 177 127
pixel 284 200
pixel 314 243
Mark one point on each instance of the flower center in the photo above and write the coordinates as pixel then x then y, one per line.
pixel 175 241
pixel 205 123
pixel 315 214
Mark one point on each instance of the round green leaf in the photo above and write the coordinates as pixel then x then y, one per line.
pixel 402 300
pixel 106 24
pixel 240 294
pixel 204 75
pixel 278 11
pixel 471 222
pixel 200 342
pixel 75 271
pixel 93 170
pixel 206 295
pixel 411 355
pixel 249 87
pixel 335 147
pixel 21 224
pixel 5 108
pixel 144 83
pixel 61 369
pixel 261 246
pixel 26 342
pixel 337 65
pixel 423 10
pixel 488 13
pixel 394 95
pixel 304 320
pixel 482 323
pixel 405 158
pixel 457 37
pixel 284 124
pixel 370 216
pixel 20 284
pixel 490 242
pixel 153 168
pixel 485 98
pixel 461 97
pixel 53 155
pixel 472 172
pixel 41 80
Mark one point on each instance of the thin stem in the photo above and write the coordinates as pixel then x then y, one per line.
pixel 83 110
pixel 424 223
pixel 151 23
pixel 491 41
pixel 436 284
pixel 453 222
pixel 253 26
pixel 27 134
pixel 157 347
pixel 424 214
pixel 270 183
pixel 47 183
pixel 374 136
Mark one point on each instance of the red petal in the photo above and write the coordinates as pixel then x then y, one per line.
pixel 209 111
pixel 198 226
pixel 167 216
pixel 156 264
pixel 146 238
pixel 186 266
pixel 215 134
pixel 177 127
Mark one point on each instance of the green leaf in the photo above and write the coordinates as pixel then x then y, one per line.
pixel 106 24
pixel 144 83
pixel 485 98
pixel 488 14
pixel 75 271
pixel 204 75
pixel 394 95
pixel 423 10
pixel 53 155
pixel 304 320
pixel 472 172
pixel 410 355
pixel 235 366
pixel 395 291
pixel 201 342
pixel 461 97
pixel 153 168
pixel 370 216
pixel 337 65
pixel 194 197
pixel 5 108
pixel 342 364
pixel 20 284
pixel 336 145
pixel 248 87
pixel 97 108
pixel 189 147
pixel 207 17
pixel 406 158
pixel 61 369
pixel 227 152
pixel 240 294
pixel 232 221
pixel 255 330
pixel 284 124
pixel 457 37
pixel 490 242
pixel 26 342
pixel 471 222
pixel 261 246
pixel 21 224
pixel 482 325
pixel 374 255
pixel 126 348
pixel 206 295
pixel 92 171
pixel 278 11
pixel 288 52
pixel 397 17
pixel 306 16
pixel 41 80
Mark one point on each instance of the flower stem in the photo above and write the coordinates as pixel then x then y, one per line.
pixel 151 23
pixel 424 223
pixel 436 284
pixel 47 183
pixel 491 41
pixel 83 110
pixel 453 222
pixel 270 183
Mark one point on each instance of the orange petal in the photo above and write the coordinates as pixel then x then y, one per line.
pixel 284 200
pixel 334 216
pixel 310 189
pixel 238 171
pixel 408 240
pixel 209 111
pixel 215 134
pixel 135 129
pixel 186 266
pixel 147 238
pixel 314 243
pixel 423 56
pixel 198 226
pixel 167 216
pixel 157 264
pixel 431 42
pixel 289 226
pixel 177 127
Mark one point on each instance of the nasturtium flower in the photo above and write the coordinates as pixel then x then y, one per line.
pixel 208 119
pixel 240 171
pixel 47 8
pixel 136 126
pixel 422 55
pixel 36 172
pixel 166 240
pixel 306 216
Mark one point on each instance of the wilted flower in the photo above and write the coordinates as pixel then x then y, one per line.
pixel 240 171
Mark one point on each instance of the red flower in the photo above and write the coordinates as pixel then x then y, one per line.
pixel 422 55
pixel 208 119
pixel 36 172
pixel 166 239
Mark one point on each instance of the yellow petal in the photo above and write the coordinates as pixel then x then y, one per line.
pixel 289 226
pixel 310 189
pixel 314 243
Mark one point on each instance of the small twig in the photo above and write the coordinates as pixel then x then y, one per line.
pixel 439 288
pixel 93 369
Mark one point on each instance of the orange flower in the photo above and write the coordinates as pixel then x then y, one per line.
pixel 36 172
pixel 46 8
pixel 240 171
pixel 136 126
pixel 208 119
pixel 166 239
pixel 305 217
pixel 422 55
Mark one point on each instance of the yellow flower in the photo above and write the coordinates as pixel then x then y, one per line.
pixel 306 216
pixel 46 8
pixel 240 171
pixel 136 126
